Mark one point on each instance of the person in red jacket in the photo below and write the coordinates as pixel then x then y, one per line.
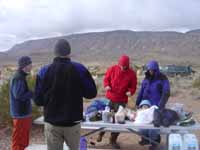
pixel 120 82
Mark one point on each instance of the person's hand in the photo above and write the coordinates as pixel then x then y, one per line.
pixel 128 93
pixel 107 88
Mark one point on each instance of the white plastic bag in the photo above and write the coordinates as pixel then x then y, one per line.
pixel 130 114
pixel 120 115
pixel 145 116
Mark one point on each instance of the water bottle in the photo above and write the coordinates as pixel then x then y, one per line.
pixel 176 147
pixel 83 143
pixel 190 142
pixel 106 114
pixel 107 108
pixel 87 118
pixel 175 142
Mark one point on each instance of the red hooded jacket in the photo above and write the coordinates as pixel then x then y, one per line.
pixel 120 81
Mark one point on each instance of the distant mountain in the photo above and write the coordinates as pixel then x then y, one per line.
pixel 2 54
pixel 5 59
pixel 104 47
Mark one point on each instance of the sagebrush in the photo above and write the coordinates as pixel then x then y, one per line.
pixel 5 118
pixel 196 82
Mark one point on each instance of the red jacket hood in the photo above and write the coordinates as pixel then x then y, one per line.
pixel 124 61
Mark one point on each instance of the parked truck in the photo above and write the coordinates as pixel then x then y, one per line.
pixel 173 70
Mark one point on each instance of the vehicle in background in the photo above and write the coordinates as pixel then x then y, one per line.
pixel 173 70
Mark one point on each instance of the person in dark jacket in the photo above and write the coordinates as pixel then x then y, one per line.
pixel 20 104
pixel 60 88
pixel 120 81
pixel 156 88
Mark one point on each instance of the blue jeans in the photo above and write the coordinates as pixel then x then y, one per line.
pixel 152 134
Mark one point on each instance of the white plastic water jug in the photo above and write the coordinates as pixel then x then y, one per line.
pixel 190 142
pixel 175 142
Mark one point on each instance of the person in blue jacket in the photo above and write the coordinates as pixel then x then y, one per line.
pixel 20 104
pixel 156 88
pixel 60 88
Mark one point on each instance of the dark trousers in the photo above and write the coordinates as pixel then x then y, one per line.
pixel 152 134
pixel 114 106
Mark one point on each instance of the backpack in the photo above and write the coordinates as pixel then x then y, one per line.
pixel 92 111
pixel 164 117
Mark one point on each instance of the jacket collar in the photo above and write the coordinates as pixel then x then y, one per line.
pixel 61 60
pixel 21 72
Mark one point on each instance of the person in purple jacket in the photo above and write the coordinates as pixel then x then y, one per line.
pixel 156 88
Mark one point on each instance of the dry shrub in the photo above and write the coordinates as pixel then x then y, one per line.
pixel 5 118
pixel 196 82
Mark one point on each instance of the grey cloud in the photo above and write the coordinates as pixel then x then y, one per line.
pixel 7 40
pixel 45 18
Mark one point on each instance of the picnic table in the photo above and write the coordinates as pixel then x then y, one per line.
pixel 130 127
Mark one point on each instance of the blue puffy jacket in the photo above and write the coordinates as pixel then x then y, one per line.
pixel 154 88
pixel 20 96
pixel 97 104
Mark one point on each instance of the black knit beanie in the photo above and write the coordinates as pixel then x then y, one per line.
pixel 62 48
pixel 24 61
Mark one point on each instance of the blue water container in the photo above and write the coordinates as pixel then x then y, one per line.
pixel 83 143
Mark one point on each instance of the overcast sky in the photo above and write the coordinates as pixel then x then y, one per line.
pixel 22 20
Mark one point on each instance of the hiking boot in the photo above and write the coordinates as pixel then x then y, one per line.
pixel 99 138
pixel 153 147
pixel 159 139
pixel 113 141
pixel 144 142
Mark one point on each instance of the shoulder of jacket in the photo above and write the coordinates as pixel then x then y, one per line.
pixel 79 67
pixel 145 81
pixel 76 64
pixel 18 76
pixel 41 73
pixel 132 71
pixel 114 67
pixel 162 77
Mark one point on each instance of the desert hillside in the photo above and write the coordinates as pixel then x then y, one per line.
pixel 104 47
